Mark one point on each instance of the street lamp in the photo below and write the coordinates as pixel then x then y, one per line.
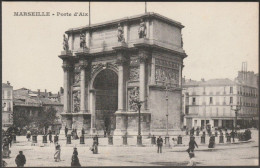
pixel 238 107
pixel 167 143
pixel 139 136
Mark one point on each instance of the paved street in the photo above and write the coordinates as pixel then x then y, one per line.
pixel 118 155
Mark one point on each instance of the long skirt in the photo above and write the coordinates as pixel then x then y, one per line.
pixel 57 155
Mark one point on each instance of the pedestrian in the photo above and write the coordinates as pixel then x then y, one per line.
pixel 50 136
pixel 20 159
pixel 192 159
pixel 75 160
pixel 233 135
pixel 66 131
pixel 57 153
pixel 95 145
pixel 28 135
pixel 75 151
pixel 82 131
pixel 10 139
pixel 211 142
pixel 192 145
pixel 159 144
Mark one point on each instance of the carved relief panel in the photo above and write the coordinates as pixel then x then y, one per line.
pixel 166 70
pixel 133 94
pixel 76 75
pixel 134 69
pixel 76 101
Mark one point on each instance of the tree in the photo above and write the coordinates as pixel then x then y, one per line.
pixel 21 119
pixel 47 117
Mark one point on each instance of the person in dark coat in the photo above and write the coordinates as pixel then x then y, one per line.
pixel 233 135
pixel 75 151
pixel 50 136
pixel 75 160
pixel 20 159
pixel 82 131
pixel 66 131
pixel 159 144
pixel 95 145
pixel 211 142
pixel 10 139
pixel 192 145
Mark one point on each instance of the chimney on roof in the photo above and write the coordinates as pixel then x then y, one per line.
pixel 38 92
pixel 49 94
pixel 202 79
pixel 45 95
pixel 8 83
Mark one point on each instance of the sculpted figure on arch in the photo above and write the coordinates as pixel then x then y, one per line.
pixel 142 29
pixel 65 43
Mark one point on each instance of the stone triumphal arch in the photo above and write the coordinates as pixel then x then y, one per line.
pixel 109 66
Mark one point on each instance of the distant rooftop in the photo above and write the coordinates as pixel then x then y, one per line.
pixel 211 82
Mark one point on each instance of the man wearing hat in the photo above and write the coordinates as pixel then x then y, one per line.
pixel 20 159
pixel 192 144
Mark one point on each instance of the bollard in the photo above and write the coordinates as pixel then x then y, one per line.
pixel 228 139
pixel 221 139
pixel 82 139
pixel 153 140
pixel 110 140
pixel 68 139
pixel 34 139
pixel 44 139
pixel 56 138
pixel 139 140
pixel 202 139
pixel 179 141
pixel 124 140
pixel 216 134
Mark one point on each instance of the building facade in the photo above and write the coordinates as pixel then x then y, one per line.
pixel 33 103
pixel 109 66
pixel 7 105
pixel 209 102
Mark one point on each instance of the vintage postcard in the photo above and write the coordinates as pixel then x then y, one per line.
pixel 130 84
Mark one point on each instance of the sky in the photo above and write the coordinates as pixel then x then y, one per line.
pixel 217 37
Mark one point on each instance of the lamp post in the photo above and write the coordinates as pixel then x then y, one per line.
pixel 238 107
pixel 167 142
pixel 139 136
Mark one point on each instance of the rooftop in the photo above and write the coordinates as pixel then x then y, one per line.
pixel 211 82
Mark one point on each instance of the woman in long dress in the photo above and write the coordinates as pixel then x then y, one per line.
pixel 57 153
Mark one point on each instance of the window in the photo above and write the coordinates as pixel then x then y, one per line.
pixel 193 101
pixel 231 89
pixel 231 100
pixel 3 94
pixel 211 100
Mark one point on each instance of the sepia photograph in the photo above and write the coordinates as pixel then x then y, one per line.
pixel 93 84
